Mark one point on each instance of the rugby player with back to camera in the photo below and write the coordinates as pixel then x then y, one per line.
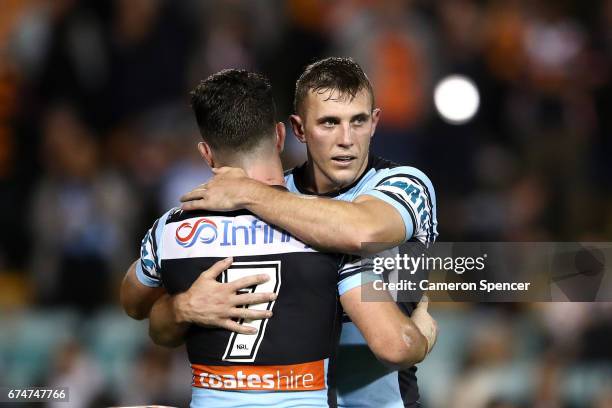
pixel 373 200
pixel 286 363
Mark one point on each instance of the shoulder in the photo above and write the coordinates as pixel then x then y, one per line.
pixel 385 167
pixel 386 172
pixel 405 173
pixel 174 215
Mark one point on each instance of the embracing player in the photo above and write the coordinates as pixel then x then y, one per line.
pixel 373 200
pixel 280 351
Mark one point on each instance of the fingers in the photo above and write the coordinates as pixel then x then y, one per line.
pixel 247 281
pixel 249 314
pixel 238 328
pixel 195 194
pixel 433 336
pixel 217 268
pixel 253 298
pixel 424 303
pixel 194 205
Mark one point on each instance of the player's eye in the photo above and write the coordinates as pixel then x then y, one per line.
pixel 359 120
pixel 329 123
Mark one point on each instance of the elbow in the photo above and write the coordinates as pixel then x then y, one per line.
pixel 353 245
pixel 164 340
pixel 366 233
pixel 135 313
pixel 131 308
pixel 354 239
pixel 134 308
pixel 402 352
pixel 397 359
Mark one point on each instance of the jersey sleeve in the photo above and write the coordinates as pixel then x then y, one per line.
pixel 412 194
pixel 148 267
pixel 355 271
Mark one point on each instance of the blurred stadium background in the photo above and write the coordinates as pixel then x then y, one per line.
pixel 96 140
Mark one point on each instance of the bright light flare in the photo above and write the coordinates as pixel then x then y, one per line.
pixel 457 99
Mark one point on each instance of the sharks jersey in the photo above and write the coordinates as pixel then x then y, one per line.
pixel 361 379
pixel 286 363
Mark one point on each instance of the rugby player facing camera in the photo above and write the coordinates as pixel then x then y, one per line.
pixel 276 300
pixel 353 198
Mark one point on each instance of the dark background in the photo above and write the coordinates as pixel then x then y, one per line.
pixel 97 140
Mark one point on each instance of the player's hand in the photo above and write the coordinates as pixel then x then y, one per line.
pixel 213 304
pixel 226 191
pixel 425 323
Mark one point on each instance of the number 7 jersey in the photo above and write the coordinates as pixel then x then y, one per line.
pixel 287 362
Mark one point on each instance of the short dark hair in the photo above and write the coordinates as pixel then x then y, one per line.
pixel 336 73
pixel 234 109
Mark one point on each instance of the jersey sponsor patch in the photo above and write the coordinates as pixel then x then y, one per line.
pixel 308 376
pixel 219 236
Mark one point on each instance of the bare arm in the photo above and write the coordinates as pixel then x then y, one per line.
pixel 320 222
pixel 165 327
pixel 393 337
pixel 331 224
pixel 136 298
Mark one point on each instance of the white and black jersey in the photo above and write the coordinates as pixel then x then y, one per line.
pixel 288 360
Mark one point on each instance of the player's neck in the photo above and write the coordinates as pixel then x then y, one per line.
pixel 268 170
pixel 316 181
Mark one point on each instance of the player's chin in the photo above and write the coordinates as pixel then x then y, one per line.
pixel 344 177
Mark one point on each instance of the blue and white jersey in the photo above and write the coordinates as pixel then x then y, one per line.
pixel 286 364
pixel 362 380
pixel 405 188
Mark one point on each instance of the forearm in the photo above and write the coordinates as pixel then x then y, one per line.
pixel 332 225
pixel 166 327
pixel 393 338
pixel 400 344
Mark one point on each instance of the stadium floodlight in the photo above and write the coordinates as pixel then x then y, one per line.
pixel 456 99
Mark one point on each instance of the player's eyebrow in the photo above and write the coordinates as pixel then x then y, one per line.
pixel 363 116
pixel 360 116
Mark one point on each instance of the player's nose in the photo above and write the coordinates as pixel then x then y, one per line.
pixel 345 136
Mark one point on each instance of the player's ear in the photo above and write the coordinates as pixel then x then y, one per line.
pixel 298 127
pixel 206 153
pixel 281 133
pixel 375 119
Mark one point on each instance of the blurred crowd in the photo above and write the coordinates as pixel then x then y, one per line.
pixel 97 140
